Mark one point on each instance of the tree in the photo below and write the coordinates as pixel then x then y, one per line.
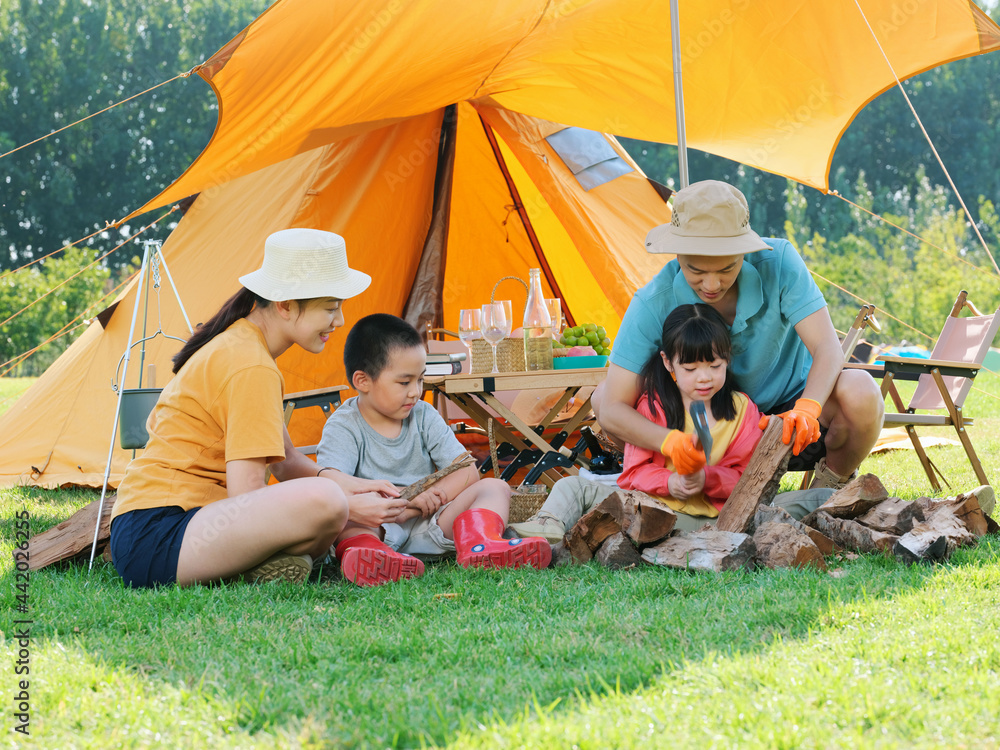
pixel 49 297
pixel 66 59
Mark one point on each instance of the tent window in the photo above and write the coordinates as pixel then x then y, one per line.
pixel 589 156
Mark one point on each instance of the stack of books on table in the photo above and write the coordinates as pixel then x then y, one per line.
pixel 444 364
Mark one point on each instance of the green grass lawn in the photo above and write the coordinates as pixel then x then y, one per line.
pixel 877 655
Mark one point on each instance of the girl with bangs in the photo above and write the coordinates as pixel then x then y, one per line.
pixel 691 365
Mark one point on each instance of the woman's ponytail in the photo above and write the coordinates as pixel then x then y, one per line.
pixel 236 307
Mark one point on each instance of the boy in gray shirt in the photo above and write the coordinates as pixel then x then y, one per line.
pixel 388 432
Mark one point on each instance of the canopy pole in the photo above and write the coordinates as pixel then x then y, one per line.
pixel 675 43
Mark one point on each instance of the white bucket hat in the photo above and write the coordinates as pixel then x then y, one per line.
pixel 709 218
pixel 305 264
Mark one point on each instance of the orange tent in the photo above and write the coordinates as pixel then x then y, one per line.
pixel 333 116
pixel 514 204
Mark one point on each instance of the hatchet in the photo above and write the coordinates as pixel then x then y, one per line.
pixel 700 419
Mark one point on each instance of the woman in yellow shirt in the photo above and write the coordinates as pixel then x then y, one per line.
pixel 195 506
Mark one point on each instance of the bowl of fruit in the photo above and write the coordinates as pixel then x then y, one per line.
pixel 586 345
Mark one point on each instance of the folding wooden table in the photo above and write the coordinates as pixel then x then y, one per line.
pixel 472 393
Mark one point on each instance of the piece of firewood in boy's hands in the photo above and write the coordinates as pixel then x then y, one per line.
pixel 428 501
pixel 410 492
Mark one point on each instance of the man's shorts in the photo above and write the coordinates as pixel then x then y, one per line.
pixel 420 537
pixel 811 454
pixel 145 544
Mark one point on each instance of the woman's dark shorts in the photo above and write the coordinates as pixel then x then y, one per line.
pixel 145 544
pixel 811 454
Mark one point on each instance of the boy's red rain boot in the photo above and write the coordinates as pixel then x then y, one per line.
pixel 367 561
pixel 479 543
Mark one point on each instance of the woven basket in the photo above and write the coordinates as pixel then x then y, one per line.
pixel 526 499
pixel 510 351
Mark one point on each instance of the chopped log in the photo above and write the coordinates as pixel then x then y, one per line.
pixel 967 509
pixel 759 483
pixel 410 492
pixel 561 555
pixel 950 523
pixel 851 534
pixel 618 552
pixel 921 544
pixel 645 519
pixel 992 527
pixel 855 498
pixel 703 550
pixel 933 539
pixel 603 520
pixel 893 516
pixel 781 545
pixel 773 514
pixel 578 548
pixel 72 537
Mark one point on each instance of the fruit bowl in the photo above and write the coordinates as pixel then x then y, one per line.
pixel 576 363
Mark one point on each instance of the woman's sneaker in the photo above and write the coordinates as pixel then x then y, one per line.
pixel 280 567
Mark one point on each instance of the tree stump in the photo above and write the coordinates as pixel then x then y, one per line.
pixel 703 550
pixel 781 545
pixel 759 483
pixel 71 537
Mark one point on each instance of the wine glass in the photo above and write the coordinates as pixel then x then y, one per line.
pixel 468 328
pixel 554 307
pixel 495 324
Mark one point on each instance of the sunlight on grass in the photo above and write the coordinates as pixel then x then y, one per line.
pixel 920 670
pixel 885 656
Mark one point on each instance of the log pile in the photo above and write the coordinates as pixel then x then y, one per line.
pixel 629 528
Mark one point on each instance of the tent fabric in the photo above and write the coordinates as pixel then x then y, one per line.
pixel 377 190
pixel 771 84
pixel 331 116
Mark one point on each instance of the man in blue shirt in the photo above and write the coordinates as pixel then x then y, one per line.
pixel 786 354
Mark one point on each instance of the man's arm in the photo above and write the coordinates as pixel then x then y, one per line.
pixel 820 337
pixel 614 405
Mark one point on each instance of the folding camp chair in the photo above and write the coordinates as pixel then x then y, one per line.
pixel 944 381
pixel 864 319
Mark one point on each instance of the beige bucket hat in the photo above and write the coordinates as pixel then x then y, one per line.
pixel 305 264
pixel 709 218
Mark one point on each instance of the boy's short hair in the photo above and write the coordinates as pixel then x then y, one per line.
pixel 372 340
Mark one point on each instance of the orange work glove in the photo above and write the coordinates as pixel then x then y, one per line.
pixel 680 448
pixel 803 418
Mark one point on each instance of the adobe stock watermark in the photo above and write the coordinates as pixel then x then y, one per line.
pixel 792 121
pixel 694 42
pixel 378 21
pixel 21 635
pixel 248 148
pixel 899 15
